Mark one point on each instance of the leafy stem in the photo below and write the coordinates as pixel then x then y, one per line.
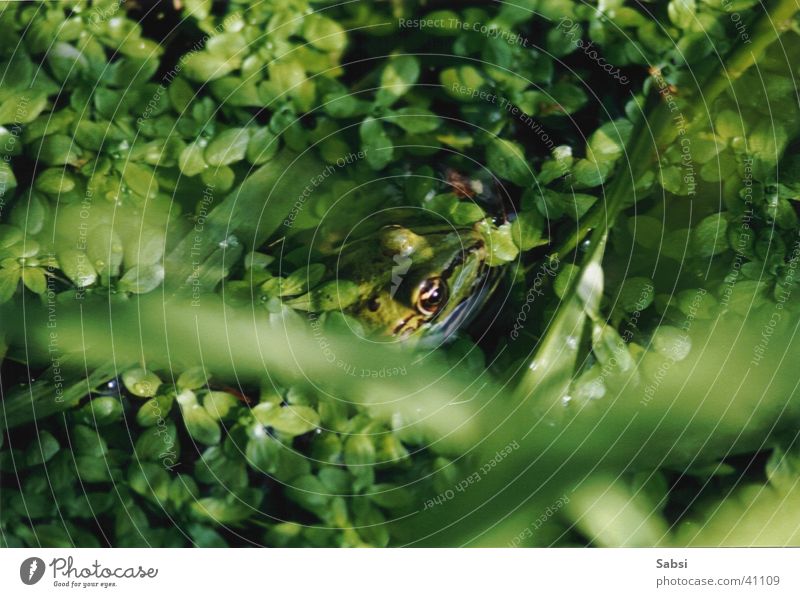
pixel 553 364
pixel 768 28
pixel 645 148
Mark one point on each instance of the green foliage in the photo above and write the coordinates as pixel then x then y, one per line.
pixel 122 156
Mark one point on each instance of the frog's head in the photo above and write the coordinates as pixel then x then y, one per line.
pixel 421 281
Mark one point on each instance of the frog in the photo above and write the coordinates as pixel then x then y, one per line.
pixel 417 281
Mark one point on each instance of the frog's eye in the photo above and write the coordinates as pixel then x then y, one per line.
pixel 432 296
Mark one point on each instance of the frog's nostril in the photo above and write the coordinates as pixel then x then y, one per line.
pixel 373 304
pixel 396 240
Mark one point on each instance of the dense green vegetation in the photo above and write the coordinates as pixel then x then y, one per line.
pixel 184 364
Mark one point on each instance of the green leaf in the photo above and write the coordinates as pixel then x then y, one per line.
pixel 200 425
pixel 636 294
pixel 262 146
pixel 191 161
pixel 9 282
pixel 92 469
pixel 198 9
pixel 340 104
pixel 77 267
pixel 415 120
pixel 564 279
pixel 228 45
pixel 646 230
pixel 193 379
pixel 42 449
pixel 558 166
pixel 157 442
pixel 376 143
pixel 57 150
pixel 589 173
pixel 94 135
pixel 359 451
pixel 154 410
pixel 206 537
pixel 682 13
pixel 183 489
pixel 286 176
pixel 500 243
pixel 466 212
pixel 111 103
pixel 205 66
pixel 66 61
pixel 88 442
pixel 30 214
pixel 323 33
pixel 220 178
pixel 291 420
pixel 8 182
pixel 233 91
pixel 180 94
pixel 52 535
pixel 10 235
pixel 301 280
pixel 54 181
pixel 288 77
pixel 464 83
pixel 527 229
pixel 141 180
pixel 709 237
pixel 219 404
pixel 397 77
pixel 34 279
pixel 390 496
pixel 309 493
pixel 141 382
pixel 228 510
pixel 22 108
pixel 18 71
pixel 506 160
pixel 141 279
pixel 608 142
pixel 228 147
pixel 149 480
pixel 637 522
pixel 262 451
pixel 101 410
pixel 391 449
pixel 372 526
pixel 569 98
pixel 216 466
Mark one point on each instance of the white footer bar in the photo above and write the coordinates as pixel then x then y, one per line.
pixel 400 572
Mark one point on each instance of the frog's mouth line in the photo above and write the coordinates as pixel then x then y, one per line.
pixel 460 258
